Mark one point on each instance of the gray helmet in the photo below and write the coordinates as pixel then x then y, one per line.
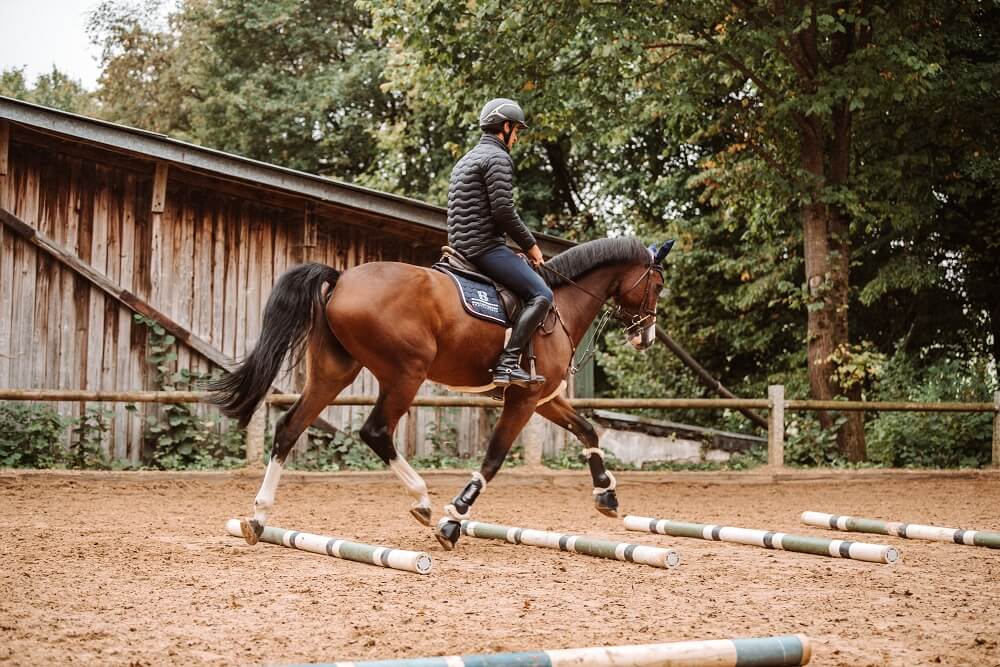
pixel 499 110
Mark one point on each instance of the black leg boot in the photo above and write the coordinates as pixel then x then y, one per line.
pixel 508 370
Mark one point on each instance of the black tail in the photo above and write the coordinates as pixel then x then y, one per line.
pixel 287 319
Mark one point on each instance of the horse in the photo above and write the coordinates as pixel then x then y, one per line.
pixel 405 324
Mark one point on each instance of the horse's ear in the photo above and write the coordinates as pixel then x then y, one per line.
pixel 662 252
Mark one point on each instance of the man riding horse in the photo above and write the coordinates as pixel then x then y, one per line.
pixel 406 325
pixel 481 215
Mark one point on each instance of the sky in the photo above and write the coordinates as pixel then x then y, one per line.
pixel 38 34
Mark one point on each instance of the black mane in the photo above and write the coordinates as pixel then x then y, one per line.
pixel 585 257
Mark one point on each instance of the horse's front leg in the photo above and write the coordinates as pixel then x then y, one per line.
pixel 515 415
pixel 560 412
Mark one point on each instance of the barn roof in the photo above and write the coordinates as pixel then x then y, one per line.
pixel 250 173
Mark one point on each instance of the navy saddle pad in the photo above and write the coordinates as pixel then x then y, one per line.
pixel 479 299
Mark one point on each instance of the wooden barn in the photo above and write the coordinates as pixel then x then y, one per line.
pixel 101 222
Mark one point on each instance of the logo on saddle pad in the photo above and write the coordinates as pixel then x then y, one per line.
pixel 482 301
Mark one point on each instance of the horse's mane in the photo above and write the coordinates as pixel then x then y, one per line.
pixel 585 257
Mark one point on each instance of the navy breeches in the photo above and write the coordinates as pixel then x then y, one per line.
pixel 504 266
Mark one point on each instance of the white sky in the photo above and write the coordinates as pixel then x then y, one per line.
pixel 38 34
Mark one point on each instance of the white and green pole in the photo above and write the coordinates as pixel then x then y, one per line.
pixel 581 544
pixel 359 552
pixel 819 546
pixel 913 531
pixel 781 651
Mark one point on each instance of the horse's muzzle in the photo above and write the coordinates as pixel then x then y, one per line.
pixel 644 337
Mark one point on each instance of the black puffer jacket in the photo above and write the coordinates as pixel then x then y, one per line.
pixel 481 201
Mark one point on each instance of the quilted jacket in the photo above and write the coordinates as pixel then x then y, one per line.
pixel 481 201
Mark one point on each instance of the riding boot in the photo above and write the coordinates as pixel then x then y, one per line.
pixel 508 369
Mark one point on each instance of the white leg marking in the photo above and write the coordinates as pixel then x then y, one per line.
pixel 416 488
pixel 265 497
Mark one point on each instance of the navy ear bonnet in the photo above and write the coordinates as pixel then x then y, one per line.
pixel 660 255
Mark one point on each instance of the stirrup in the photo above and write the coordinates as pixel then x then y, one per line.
pixel 504 377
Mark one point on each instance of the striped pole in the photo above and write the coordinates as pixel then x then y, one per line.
pixel 397 559
pixel 581 544
pixel 757 652
pixel 819 546
pixel 913 531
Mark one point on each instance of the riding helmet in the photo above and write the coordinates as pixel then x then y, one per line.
pixel 499 110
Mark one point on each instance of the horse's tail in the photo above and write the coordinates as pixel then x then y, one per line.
pixel 287 320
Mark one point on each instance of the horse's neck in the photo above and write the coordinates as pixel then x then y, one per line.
pixel 578 308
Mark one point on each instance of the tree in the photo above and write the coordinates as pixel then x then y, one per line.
pixel 55 89
pixel 779 89
pixel 288 82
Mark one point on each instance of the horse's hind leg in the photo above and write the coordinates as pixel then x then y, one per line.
pixel 393 401
pixel 561 413
pixel 329 369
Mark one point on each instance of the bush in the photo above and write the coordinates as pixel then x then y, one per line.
pixel 933 439
pixel 342 450
pixel 86 449
pixel 30 435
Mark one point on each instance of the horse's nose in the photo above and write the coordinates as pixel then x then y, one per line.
pixel 644 338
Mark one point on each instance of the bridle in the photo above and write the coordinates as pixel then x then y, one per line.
pixel 646 312
pixel 645 318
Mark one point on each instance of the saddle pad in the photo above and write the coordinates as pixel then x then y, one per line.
pixel 479 299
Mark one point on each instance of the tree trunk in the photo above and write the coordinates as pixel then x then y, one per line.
pixel 995 330
pixel 826 237
pixel 820 330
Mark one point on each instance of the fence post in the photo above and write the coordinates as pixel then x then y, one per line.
pixel 776 425
pixel 255 436
pixel 996 429
pixel 533 439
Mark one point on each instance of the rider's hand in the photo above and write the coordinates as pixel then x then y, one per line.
pixel 535 255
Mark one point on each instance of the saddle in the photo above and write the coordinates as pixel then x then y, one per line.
pixel 481 296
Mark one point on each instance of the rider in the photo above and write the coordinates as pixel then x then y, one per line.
pixel 481 214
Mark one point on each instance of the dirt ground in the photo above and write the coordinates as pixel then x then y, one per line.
pixel 135 568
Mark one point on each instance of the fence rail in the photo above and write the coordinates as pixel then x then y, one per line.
pixel 775 403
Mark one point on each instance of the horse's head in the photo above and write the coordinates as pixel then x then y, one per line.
pixel 636 297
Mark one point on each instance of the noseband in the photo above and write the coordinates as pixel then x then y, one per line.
pixel 646 313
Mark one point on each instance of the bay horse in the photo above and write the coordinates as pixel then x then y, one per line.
pixel 406 325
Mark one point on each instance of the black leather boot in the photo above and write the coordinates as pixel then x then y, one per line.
pixel 508 370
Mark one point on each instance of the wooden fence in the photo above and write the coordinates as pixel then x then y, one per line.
pixel 776 404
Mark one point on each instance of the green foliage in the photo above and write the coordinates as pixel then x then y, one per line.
pixel 30 435
pixel 857 366
pixel 807 443
pixel 89 433
pixel 181 438
pixel 935 440
pixel 288 82
pixel 666 120
pixel 339 451
pixel 54 89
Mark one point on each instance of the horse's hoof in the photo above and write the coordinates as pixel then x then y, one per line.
pixel 421 514
pixel 252 530
pixel 607 503
pixel 447 533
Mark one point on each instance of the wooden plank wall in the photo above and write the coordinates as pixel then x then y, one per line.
pixel 218 255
